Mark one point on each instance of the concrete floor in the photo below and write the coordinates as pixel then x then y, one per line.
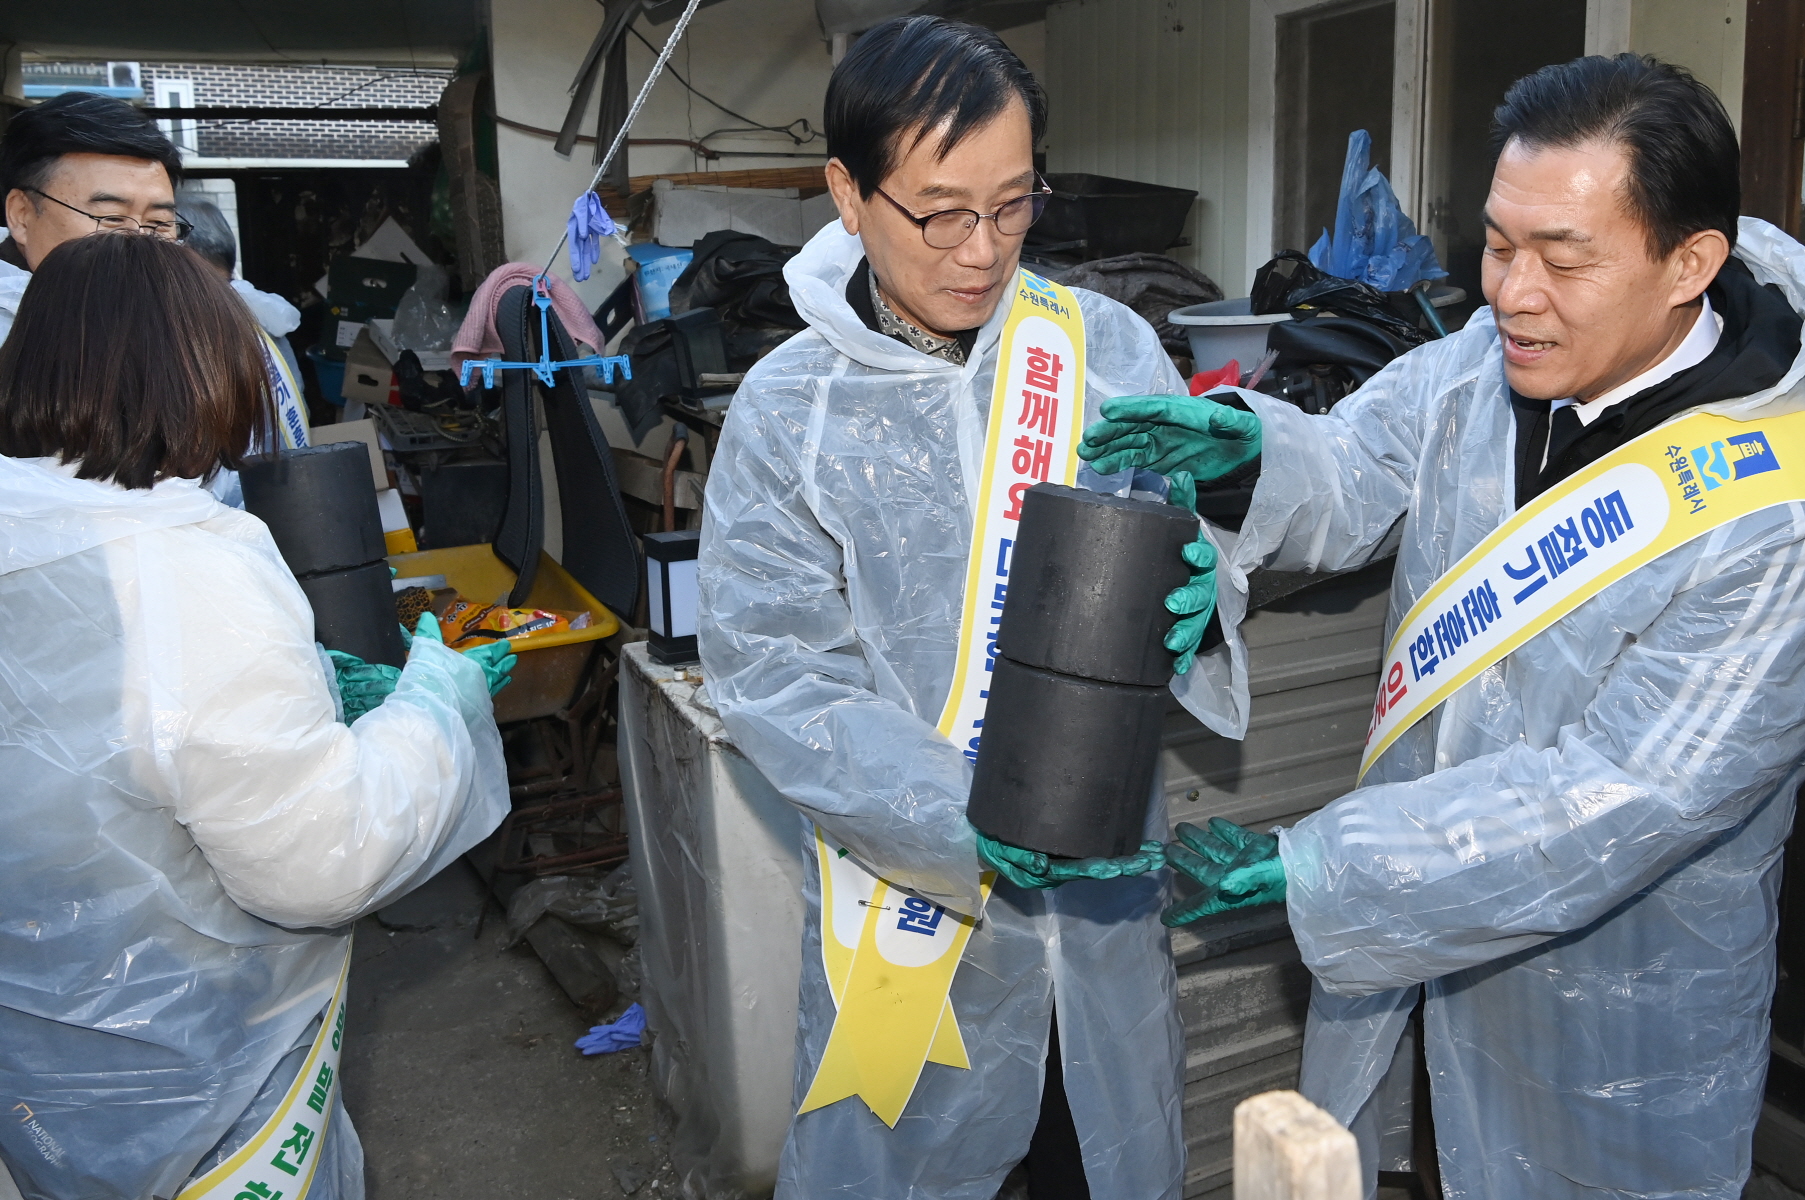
pixel 459 1071
pixel 462 1081
pixel 463 1084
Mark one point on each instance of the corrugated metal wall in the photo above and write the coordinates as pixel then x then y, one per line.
pixel 1156 90
pixel 1242 991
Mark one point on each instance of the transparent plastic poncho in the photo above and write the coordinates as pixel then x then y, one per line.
pixel 1574 860
pixel 833 558
pixel 190 829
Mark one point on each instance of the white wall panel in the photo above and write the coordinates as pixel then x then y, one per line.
pixel 763 58
pixel 1156 90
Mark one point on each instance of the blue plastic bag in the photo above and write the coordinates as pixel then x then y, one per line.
pixel 622 1035
pixel 1374 242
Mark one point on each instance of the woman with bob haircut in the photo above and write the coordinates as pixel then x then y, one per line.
pixel 190 827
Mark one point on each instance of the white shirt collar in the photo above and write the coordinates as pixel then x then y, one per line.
pixel 1707 327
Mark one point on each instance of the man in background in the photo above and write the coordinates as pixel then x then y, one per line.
pixel 211 238
pixel 74 165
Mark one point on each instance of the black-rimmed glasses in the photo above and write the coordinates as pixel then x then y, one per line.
pixel 173 230
pixel 950 227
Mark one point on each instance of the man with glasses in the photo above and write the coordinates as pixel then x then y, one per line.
pixel 863 465
pixel 74 165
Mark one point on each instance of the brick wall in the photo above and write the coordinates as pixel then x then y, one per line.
pixel 226 83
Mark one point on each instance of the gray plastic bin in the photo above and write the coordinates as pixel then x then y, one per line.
pixel 1225 329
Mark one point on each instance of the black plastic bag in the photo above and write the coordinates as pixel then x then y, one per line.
pixel 655 375
pixel 740 276
pixel 1343 332
pixel 1290 283
pixel 1323 358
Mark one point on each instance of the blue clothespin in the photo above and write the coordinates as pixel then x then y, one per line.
pixel 546 369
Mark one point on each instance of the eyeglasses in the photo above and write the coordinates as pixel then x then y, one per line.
pixel 173 230
pixel 951 227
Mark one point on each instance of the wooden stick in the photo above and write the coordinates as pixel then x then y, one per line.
pixel 1288 1149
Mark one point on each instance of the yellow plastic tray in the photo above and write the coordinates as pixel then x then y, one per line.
pixel 481 577
pixel 549 674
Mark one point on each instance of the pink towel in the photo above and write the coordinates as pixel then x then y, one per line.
pixel 477 337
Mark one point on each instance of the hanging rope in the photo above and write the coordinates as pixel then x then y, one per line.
pixel 620 137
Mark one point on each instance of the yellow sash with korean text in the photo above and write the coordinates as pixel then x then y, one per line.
pixel 285 395
pixel 890 956
pixel 281 1157
pixel 1666 488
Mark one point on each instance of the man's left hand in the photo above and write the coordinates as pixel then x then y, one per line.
pixel 1169 434
pixel 1233 867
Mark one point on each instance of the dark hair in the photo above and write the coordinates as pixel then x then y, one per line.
pixel 211 237
pixel 78 123
pixel 924 75
pixel 130 357
pixel 1684 167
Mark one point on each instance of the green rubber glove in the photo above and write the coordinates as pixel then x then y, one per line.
pixel 1195 602
pixel 362 685
pixel 496 658
pixel 1170 434
pixel 1232 866
pixel 1032 869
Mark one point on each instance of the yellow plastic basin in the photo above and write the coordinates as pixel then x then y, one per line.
pixel 544 682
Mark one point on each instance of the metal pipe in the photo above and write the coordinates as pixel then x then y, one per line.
pixel 679 441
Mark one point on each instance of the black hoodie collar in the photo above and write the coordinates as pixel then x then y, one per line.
pixel 1759 342
pixel 858 294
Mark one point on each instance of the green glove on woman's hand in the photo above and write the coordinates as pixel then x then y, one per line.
pixel 1232 866
pixel 496 659
pixel 362 685
pixel 1032 869
pixel 1195 602
pixel 1170 434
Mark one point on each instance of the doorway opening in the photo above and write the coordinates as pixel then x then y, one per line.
pixel 1473 59
pixel 1334 75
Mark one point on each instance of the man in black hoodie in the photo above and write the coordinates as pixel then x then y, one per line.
pixel 1565 843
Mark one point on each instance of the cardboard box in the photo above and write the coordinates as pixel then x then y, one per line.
pixel 388 244
pixel 356 431
pixel 340 331
pixel 369 282
pixel 368 375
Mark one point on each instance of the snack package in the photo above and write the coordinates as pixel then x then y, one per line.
pixel 467 625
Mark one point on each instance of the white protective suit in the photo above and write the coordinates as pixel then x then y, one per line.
pixel 12 289
pixel 277 316
pixel 1575 859
pixel 189 828
pixel 832 569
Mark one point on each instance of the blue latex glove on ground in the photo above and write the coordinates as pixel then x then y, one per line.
pixel 1170 434
pixel 1195 602
pixel 1232 866
pixel 1032 869
pixel 622 1035
pixel 497 658
pixel 362 685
